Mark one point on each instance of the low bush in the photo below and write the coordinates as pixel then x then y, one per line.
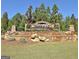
pixel 16 33
pixel 2 37
pixel 11 38
pixel 23 40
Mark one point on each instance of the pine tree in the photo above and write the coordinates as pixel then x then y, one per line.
pixel 4 22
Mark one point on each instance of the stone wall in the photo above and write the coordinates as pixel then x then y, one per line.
pixel 53 36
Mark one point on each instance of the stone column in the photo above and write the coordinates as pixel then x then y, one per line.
pixel 71 28
pixel 13 29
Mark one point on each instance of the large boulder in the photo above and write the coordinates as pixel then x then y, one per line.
pixel 11 38
pixel 2 37
pixel 75 37
pixel 35 40
pixel 33 36
pixel 42 39
pixel 46 40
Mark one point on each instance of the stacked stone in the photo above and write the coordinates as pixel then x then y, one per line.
pixel 37 38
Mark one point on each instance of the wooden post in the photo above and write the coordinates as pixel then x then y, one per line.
pixel 25 27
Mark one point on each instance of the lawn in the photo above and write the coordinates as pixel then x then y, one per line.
pixel 46 50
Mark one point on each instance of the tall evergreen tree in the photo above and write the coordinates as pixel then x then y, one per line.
pixel 42 7
pixel 29 14
pixel 63 26
pixel 4 22
pixel 54 15
pixel 73 19
pixel 17 18
pixel 48 14
pixel 55 9
pixel 68 22
pixel 41 13
pixel 10 24
pixel 74 22
pixel 48 10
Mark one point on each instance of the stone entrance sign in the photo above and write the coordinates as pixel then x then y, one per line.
pixel 42 25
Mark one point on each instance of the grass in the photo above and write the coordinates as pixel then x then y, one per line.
pixel 48 50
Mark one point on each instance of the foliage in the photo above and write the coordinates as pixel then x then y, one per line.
pixel 63 26
pixel 55 16
pixel 16 19
pixel 76 25
pixel 21 27
pixel 55 9
pixel 74 21
pixel 4 22
pixel 29 14
pixel 28 25
pixel 10 24
pixel 2 37
pixel 23 40
pixel 11 38
pixel 67 22
pixel 19 20
pixel 39 14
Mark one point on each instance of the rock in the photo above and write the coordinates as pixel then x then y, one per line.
pixel 47 40
pixel 39 37
pixel 11 38
pixel 52 38
pixel 35 40
pixel 6 36
pixel 2 37
pixel 75 37
pixel 33 36
pixel 42 39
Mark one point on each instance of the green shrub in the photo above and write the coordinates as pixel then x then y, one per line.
pixel 2 37
pixel 23 40
pixel 28 25
pixel 11 38
pixel 16 33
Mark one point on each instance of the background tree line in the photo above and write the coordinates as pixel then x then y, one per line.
pixel 39 14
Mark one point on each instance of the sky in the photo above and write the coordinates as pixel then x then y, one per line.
pixel 66 7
